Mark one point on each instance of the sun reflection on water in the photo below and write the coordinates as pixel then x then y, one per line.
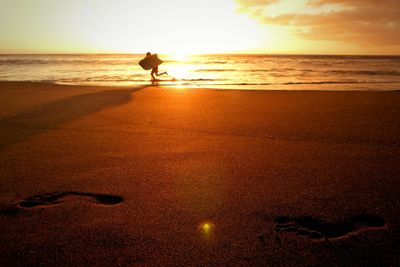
pixel 179 70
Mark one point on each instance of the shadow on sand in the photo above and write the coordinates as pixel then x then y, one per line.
pixel 19 127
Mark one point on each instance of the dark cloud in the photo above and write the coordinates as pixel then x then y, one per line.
pixel 374 22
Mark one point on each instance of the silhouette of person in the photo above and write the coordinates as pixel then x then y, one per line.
pixel 155 69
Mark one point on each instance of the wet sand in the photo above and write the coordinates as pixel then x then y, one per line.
pixel 97 176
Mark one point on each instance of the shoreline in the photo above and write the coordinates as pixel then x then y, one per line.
pixel 177 87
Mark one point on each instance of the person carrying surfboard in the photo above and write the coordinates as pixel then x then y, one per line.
pixel 151 61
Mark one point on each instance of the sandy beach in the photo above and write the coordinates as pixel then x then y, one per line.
pixel 109 176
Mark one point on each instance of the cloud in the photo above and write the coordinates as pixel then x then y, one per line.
pixel 257 2
pixel 367 22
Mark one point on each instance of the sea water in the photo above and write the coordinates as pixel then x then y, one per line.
pixel 261 72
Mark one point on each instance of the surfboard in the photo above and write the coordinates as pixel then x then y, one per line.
pixel 150 62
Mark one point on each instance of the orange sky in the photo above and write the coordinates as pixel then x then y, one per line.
pixel 200 26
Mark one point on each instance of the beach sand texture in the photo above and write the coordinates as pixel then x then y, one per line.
pixel 100 176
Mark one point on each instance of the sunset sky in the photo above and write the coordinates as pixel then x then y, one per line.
pixel 200 26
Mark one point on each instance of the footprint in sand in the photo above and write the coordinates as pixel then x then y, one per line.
pixel 57 197
pixel 9 210
pixel 316 228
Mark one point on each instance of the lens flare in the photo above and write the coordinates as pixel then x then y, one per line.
pixel 206 229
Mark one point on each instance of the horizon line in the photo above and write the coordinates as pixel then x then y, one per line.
pixel 233 54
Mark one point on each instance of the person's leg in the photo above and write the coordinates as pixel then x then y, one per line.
pixel 154 71
pixel 162 73
pixel 159 74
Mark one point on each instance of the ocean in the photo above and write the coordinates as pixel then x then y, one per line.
pixel 260 72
